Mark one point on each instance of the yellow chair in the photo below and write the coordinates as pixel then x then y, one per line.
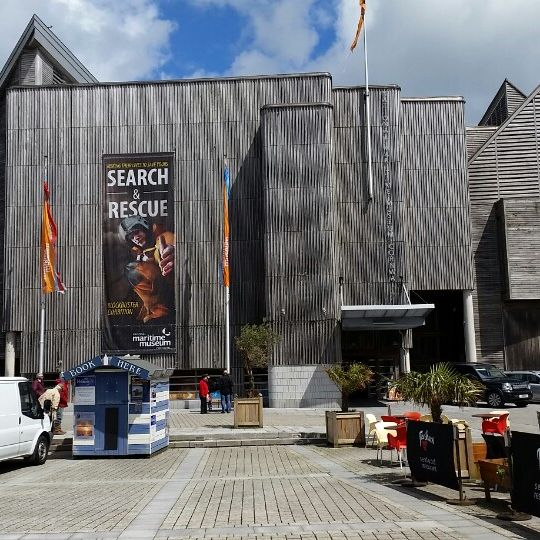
pixel 371 419
pixel 381 432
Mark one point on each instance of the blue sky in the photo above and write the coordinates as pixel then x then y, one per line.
pixel 427 47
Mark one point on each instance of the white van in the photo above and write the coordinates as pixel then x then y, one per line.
pixel 25 431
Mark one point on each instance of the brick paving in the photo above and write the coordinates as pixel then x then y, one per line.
pixel 252 493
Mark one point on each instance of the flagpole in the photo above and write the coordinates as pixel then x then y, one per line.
pixel 368 116
pixel 227 332
pixel 42 301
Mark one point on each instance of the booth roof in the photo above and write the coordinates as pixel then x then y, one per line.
pixel 146 370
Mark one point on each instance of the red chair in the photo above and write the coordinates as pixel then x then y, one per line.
pixel 396 421
pixel 412 415
pixel 496 425
pixel 398 443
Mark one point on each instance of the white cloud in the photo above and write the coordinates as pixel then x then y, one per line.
pixel 115 40
pixel 428 47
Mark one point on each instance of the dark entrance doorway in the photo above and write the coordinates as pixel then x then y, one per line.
pixel 379 349
pixel 441 339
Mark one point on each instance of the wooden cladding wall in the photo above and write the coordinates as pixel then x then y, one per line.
pixel 201 121
pixel 476 137
pixel 370 235
pixel 435 191
pixel 299 239
pixel 487 295
pixel 506 166
pixel 521 324
pixel 519 240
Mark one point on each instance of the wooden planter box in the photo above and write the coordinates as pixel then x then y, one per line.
pixel 479 450
pixel 490 478
pixel 345 428
pixel 248 412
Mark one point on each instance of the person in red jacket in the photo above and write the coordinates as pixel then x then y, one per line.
pixel 64 399
pixel 203 394
pixel 37 386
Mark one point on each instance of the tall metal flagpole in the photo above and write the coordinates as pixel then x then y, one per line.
pixel 368 115
pixel 42 302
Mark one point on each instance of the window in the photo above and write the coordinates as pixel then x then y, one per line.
pixel 29 404
pixel 490 371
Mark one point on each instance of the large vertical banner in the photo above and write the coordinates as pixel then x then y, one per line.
pixel 138 254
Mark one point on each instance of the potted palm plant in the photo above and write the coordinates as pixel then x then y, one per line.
pixel 440 385
pixel 347 427
pixel 254 344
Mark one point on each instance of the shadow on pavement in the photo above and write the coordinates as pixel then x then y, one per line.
pixel 484 510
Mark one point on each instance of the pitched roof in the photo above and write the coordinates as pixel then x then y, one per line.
pixel 37 33
pixel 502 127
pixel 506 101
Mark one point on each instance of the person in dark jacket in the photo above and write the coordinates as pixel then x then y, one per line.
pixel 203 394
pixel 226 389
pixel 37 385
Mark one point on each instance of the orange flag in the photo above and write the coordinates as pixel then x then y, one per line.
pixel 226 239
pixel 50 278
pixel 360 24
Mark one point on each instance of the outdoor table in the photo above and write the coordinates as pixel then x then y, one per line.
pixel 486 416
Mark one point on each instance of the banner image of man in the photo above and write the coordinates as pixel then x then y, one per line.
pixel 138 254
pixel 151 270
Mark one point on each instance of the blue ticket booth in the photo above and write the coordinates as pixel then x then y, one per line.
pixel 120 406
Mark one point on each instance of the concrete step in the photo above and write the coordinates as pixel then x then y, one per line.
pixel 243 435
pixel 213 443
pixel 61 445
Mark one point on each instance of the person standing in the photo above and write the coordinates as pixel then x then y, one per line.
pixel 53 397
pixel 226 389
pixel 64 399
pixel 37 385
pixel 203 394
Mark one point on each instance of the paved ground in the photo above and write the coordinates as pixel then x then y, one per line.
pixel 258 492
pixel 286 493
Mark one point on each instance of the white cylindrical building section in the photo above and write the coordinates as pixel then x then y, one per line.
pixel 10 354
pixel 404 361
pixel 468 327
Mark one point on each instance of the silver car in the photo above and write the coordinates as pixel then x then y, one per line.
pixel 532 377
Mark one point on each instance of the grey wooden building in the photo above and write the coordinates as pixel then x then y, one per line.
pixel 504 176
pixel 343 268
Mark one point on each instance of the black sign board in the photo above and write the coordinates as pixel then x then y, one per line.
pixel 430 452
pixel 526 472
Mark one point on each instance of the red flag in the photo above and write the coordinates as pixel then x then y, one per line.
pixel 50 278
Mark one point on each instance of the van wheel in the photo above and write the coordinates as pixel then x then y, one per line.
pixel 41 451
pixel 494 399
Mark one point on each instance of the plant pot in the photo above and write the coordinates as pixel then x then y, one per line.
pixel 479 450
pixel 488 473
pixel 248 412
pixel 345 428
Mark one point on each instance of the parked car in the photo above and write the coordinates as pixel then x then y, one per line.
pixel 530 377
pixel 500 388
pixel 25 431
